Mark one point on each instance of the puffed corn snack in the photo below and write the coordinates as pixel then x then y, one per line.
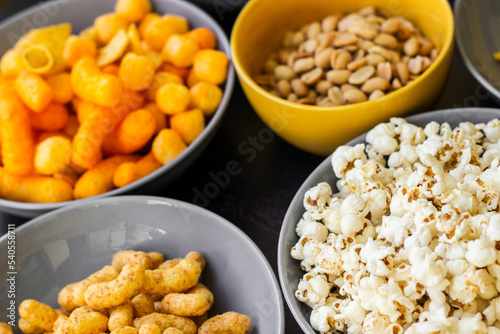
pixel 411 241
pixel 139 293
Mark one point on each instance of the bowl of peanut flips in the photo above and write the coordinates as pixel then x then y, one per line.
pixel 137 264
pixel 120 98
pixel 319 73
pixel 398 230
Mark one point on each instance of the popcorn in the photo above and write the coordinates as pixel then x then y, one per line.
pixel 411 241
pixel 481 252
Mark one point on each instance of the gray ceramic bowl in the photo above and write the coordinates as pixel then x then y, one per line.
pixel 81 14
pixel 67 245
pixel 477 24
pixel 289 268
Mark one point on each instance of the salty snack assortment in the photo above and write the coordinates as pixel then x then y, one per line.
pixel 410 242
pixel 346 59
pixel 139 293
pixel 84 114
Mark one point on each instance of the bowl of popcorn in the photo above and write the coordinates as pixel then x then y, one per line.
pixel 121 98
pixel 398 230
pixel 320 72
pixel 136 264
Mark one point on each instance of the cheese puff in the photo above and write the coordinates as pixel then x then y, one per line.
pixel 191 79
pixel 99 179
pixel 189 124
pixel 48 134
pixel 87 323
pixel 107 25
pixel 52 118
pixel 16 137
pixel 204 37
pixel 179 23
pixel 229 322
pixel 72 295
pixel 90 84
pixel 76 47
pixel 67 174
pixel 111 69
pixel 170 263
pixel 121 316
pixel 206 96
pixel 173 98
pixel 133 10
pixel 130 172
pixel 61 87
pixel 193 302
pixel 87 143
pixel 131 134
pixel 176 279
pixel 52 155
pixel 180 51
pixel 199 320
pixel 167 145
pixel 155 31
pixel 125 330
pixel 172 330
pixel 121 258
pixel 5 328
pixel 196 257
pixel 159 80
pixel 180 71
pixel 211 66
pixel 39 314
pixel 159 116
pixel 28 328
pixel 33 90
pixel 12 63
pixel 33 189
pixel 143 305
pixel 165 321
pixel 59 322
pixel 137 72
pixel 158 307
pixel 193 256
pixel 90 33
pixel 150 328
pixel 117 291
pixel 71 127
pixel 79 311
pixel 84 109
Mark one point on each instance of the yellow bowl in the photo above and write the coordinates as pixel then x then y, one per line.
pixel 259 30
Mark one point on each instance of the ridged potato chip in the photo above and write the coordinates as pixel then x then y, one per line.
pixel 114 50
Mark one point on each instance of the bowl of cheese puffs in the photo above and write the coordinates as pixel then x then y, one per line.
pixel 136 264
pixel 119 98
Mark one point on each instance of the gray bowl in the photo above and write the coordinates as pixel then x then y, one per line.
pixel 288 268
pixel 69 244
pixel 81 15
pixel 477 24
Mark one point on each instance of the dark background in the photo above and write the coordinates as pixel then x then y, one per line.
pixel 270 173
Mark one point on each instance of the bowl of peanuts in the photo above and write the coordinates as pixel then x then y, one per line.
pixel 120 98
pixel 319 73
pixel 384 237
pixel 123 264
